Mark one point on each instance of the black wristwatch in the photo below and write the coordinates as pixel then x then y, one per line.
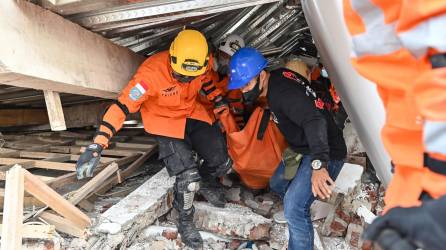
pixel 318 164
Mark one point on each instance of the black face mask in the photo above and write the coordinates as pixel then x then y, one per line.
pixel 182 78
pixel 251 96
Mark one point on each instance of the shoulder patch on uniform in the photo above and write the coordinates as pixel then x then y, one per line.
pixel 138 90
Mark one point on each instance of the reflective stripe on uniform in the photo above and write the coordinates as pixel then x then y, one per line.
pixel 434 136
pixel 380 38
pixel 428 34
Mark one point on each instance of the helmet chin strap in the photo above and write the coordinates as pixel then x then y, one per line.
pixel 182 78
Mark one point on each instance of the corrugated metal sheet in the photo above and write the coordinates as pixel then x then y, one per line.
pixel 276 27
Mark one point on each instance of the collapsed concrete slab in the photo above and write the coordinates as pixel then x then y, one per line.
pixel 120 224
pixel 42 50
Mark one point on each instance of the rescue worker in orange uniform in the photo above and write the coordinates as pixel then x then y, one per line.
pixel 164 89
pixel 400 45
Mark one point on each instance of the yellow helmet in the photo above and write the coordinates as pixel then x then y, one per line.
pixel 189 53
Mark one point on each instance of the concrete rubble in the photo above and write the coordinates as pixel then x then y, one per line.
pixel 144 219
pixel 120 224
pixel 245 222
pixel 233 220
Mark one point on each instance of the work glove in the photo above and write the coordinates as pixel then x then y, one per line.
pixel 88 161
pixel 220 104
pixel 423 227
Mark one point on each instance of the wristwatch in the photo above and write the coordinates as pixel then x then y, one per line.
pixel 318 164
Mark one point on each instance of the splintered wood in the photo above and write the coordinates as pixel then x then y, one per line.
pixel 39 171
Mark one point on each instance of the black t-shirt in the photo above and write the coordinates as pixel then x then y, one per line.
pixel 306 128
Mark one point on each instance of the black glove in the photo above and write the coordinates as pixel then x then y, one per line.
pixel 88 161
pixel 423 227
pixel 220 104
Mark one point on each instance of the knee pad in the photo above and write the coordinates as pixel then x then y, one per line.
pixel 186 185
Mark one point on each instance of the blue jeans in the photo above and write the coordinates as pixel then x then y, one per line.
pixel 297 199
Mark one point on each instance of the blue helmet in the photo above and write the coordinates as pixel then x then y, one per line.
pixel 245 64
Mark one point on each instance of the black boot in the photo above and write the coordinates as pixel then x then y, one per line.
pixel 213 191
pixel 186 228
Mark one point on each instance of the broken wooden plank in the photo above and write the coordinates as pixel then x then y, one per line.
pixel 44 193
pixel 55 111
pixel 57 157
pixel 62 158
pixel 45 178
pixel 7 152
pixel 126 172
pixel 71 177
pixel 23 164
pixel 39 155
pixel 89 187
pixel 13 210
pixel 36 231
pixel 63 225
pixel 41 164
pixel 103 159
pixel 105 152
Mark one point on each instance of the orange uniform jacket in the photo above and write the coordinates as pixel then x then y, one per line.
pixel 164 102
pixel 392 43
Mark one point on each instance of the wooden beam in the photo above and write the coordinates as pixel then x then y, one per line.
pixel 65 56
pixel 36 231
pixel 63 225
pixel 91 186
pixel 44 193
pixel 74 116
pixel 13 210
pixel 22 117
pixel 55 111
pixel 41 164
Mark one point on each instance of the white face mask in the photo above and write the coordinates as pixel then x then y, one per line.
pixel 324 73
